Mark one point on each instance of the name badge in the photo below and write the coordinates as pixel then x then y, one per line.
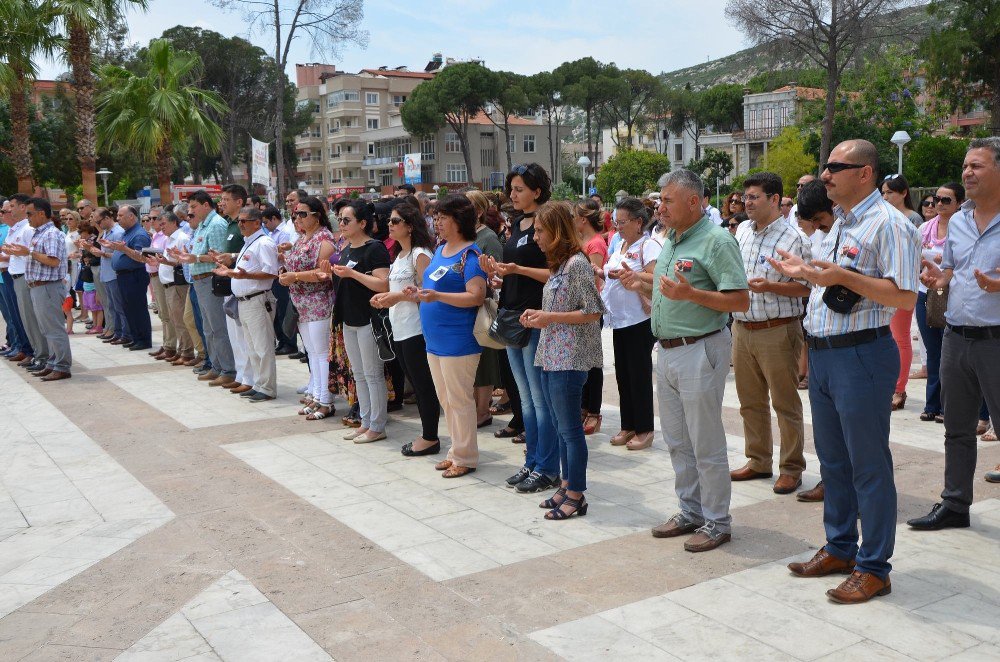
pixel 230 238
pixel 850 251
pixel 523 241
pixel 351 264
pixel 684 265
pixel 438 274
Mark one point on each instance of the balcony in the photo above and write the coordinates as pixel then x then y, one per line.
pixel 372 161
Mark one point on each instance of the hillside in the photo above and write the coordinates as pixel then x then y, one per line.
pixel 744 65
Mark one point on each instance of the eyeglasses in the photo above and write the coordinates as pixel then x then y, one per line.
pixel 243 220
pixel 81 208
pixel 734 225
pixel 343 220
pixel 835 166
pixel 303 214
pixel 395 220
pixel 927 203
pixel 892 176
pixel 786 204
pixel 752 198
pixel 943 199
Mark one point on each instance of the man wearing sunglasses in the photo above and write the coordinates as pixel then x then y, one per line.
pixel 873 254
pixel 970 352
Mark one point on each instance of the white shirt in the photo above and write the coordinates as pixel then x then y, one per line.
pixel 713 215
pixel 817 238
pixel 624 306
pixel 20 233
pixel 288 228
pixel 258 255
pixel 405 315
pixel 756 245
pixel 176 240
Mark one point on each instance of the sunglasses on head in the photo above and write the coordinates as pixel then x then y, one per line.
pixel 944 199
pixel 519 169
pixel 835 166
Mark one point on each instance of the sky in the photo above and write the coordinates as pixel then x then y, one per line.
pixel 528 37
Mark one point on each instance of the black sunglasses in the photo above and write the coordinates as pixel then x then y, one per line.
pixel 835 166
pixel 927 203
pixel 303 214
pixel 519 169
pixel 396 220
pixel 943 199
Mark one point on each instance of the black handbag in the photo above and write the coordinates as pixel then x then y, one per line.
pixel 222 286
pixel 179 278
pixel 508 330
pixel 382 331
pixel 937 304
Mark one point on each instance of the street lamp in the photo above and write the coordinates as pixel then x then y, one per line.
pixel 584 163
pixel 104 172
pixel 590 179
pixel 899 139
pixel 435 187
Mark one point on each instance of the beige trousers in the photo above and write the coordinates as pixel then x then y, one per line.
pixel 453 379
pixel 163 312
pixel 175 298
pixel 765 364
pixel 192 328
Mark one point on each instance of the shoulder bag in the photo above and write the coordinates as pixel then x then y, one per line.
pixel 487 312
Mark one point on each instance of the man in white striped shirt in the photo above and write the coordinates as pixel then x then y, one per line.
pixel 767 338
pixel 867 267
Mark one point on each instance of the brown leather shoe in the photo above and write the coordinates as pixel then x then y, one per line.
pixel 178 360
pixel 26 361
pixel 157 353
pixel 239 388
pixel 43 372
pixel 193 361
pixel 813 495
pixel 786 484
pixel 17 358
pixel 821 564
pixel 208 377
pixel 55 376
pixel 704 541
pixel 860 587
pixel 678 525
pixel 168 355
pixel 746 473
pixel 223 380
pixel 443 465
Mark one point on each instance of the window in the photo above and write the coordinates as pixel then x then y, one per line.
pixel 513 143
pixel 371 176
pixel 452 144
pixel 529 143
pixel 332 127
pixel 372 123
pixel 315 106
pixel 371 149
pixel 456 173
pixel 334 99
pixel 371 98
pixel 427 150
pixel 398 100
pixel 350 149
pixel 679 152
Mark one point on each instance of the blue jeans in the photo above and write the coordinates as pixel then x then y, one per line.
pixel 197 323
pixel 15 328
pixel 563 390
pixel 850 390
pixel 117 310
pixel 932 342
pixel 539 429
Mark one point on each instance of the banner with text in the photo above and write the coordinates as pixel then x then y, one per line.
pixel 411 168
pixel 261 171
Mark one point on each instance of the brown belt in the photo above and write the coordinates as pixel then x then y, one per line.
pixel 153 274
pixel 766 324
pixel 38 283
pixel 670 343
pixel 200 276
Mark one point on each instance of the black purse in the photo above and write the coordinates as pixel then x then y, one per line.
pixel 838 298
pixel 508 330
pixel 179 278
pixel 222 286
pixel 382 331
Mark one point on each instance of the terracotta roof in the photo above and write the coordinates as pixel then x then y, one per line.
pixel 804 93
pixel 392 73
pixel 481 118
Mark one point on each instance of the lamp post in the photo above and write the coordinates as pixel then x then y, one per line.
pixel 590 179
pixel 899 139
pixel 104 172
pixel 584 163
pixel 436 188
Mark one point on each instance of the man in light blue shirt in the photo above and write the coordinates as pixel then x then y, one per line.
pixel 865 269
pixel 970 267
pixel 118 334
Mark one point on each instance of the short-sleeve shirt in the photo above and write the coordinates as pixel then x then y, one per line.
pixel 135 238
pixel 20 234
pixel 352 306
pixel 489 243
pixel 405 315
pixel 258 255
pixel 447 328
pixel 107 270
pixel 756 246
pixel 624 306
pixel 522 292
pixel 47 240
pixel 597 246
pixel 174 241
pixel 571 346
pixel 210 235
pixel 965 250
pixel 878 241
pixel 709 258
pixel 234 238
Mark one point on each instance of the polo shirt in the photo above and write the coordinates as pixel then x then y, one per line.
pixel 258 255
pixel 234 238
pixel 135 238
pixel 713 257
pixel 965 250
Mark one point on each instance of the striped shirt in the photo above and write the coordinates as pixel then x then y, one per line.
pixel 48 240
pixel 879 242
pixel 965 250
pixel 210 235
pixel 755 247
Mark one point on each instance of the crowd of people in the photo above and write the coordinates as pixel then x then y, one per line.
pixel 452 302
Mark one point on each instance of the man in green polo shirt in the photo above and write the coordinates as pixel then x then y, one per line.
pixel 698 280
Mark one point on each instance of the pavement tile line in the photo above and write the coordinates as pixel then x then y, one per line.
pixel 765 613
pixel 65 503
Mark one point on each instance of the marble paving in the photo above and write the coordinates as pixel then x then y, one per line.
pixel 230 621
pixel 65 504
pixel 939 609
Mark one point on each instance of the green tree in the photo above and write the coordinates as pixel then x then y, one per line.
pixel 722 107
pixel 935 160
pixel 82 21
pixel 511 98
pixel 153 112
pixel 546 93
pixel 631 170
pixel 714 166
pixel 629 102
pixel 685 113
pixel 963 55
pixel 452 98
pixel 787 158
pixel 588 85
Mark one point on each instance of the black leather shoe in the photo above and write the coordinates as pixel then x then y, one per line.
pixel 135 348
pixel 520 476
pixel 537 482
pixel 248 394
pixel 296 355
pixel 408 451
pixel 283 351
pixel 940 517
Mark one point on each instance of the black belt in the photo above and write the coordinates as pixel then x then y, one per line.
pixel 976 332
pixel 847 339
pixel 250 296
pixel 16 276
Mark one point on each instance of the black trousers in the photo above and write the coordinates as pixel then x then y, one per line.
pixel 412 355
pixel 280 293
pixel 593 391
pixel 132 285
pixel 510 386
pixel 633 346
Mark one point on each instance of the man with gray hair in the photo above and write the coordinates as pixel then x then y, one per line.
pixel 699 279
pixel 132 278
pixel 970 267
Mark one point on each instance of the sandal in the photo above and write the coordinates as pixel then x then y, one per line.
pixel 551 503
pixel 318 414
pixel 898 400
pixel 442 465
pixel 500 408
pixel 519 439
pixel 306 411
pixel 640 441
pixel 592 423
pixel 982 427
pixel 456 471
pixel 622 438
pixel 505 432
pixel 803 383
pixel 991 435
pixel 927 416
pixel 579 507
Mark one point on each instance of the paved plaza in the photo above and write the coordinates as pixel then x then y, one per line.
pixel 147 517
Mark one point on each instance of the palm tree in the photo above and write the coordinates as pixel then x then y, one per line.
pixel 81 19
pixel 26 33
pixel 149 114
